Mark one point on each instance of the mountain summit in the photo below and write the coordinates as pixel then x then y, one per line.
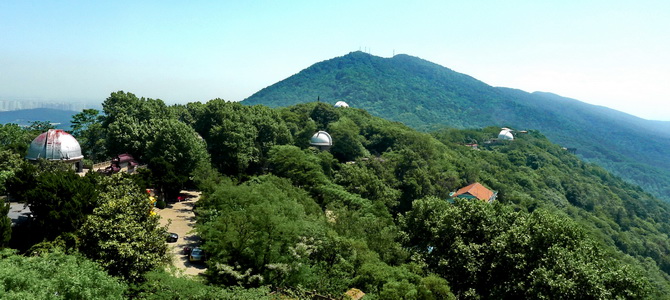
pixel 402 88
pixel 427 96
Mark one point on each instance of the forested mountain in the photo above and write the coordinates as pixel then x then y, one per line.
pixel 25 117
pixel 372 213
pixel 427 96
pixel 390 222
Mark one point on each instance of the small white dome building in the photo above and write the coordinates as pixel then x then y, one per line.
pixel 321 140
pixel 56 145
pixel 505 135
pixel 341 104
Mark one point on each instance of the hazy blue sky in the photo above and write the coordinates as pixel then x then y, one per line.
pixel 611 53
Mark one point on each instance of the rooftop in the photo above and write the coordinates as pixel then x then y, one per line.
pixel 477 190
pixel 55 144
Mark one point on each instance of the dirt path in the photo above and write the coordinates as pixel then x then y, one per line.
pixel 183 221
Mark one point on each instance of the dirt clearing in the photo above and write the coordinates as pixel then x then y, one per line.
pixel 182 223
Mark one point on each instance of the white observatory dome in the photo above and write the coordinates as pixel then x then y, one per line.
pixel 321 140
pixel 55 144
pixel 341 104
pixel 505 135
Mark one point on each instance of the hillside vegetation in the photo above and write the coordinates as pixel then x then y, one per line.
pixel 390 203
pixel 372 213
pixel 427 96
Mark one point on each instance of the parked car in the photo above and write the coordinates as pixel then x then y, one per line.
pixel 187 250
pixel 172 237
pixel 196 255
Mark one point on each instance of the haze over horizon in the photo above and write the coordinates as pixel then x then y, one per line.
pixel 609 53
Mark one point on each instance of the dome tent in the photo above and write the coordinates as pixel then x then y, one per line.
pixel 321 140
pixel 56 145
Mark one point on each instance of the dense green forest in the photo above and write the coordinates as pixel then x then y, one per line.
pixel 427 96
pixel 279 218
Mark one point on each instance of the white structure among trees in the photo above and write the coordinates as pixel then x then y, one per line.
pixel 341 104
pixel 505 135
pixel 321 140
pixel 56 145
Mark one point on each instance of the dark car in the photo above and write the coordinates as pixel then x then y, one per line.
pixel 172 237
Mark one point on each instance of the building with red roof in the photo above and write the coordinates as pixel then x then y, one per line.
pixel 475 191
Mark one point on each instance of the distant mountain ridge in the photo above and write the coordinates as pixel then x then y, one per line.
pixel 25 116
pixel 427 96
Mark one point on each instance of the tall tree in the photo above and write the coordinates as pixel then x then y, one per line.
pixel 10 163
pixel 127 104
pixel 324 114
pixel 174 152
pixel 123 234
pixel 81 121
pixel 128 121
pixel 239 137
pixel 127 134
pixel 87 128
pixel 59 199
pixel 347 142
pixel 15 138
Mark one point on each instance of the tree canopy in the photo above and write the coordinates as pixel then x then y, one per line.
pixel 122 234
pixel 55 276
pixel 373 213
pixel 496 252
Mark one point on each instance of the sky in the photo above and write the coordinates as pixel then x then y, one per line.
pixel 610 53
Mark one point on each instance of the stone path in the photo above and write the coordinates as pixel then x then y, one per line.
pixel 182 223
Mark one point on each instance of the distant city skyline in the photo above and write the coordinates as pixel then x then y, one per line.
pixel 11 105
pixel 610 53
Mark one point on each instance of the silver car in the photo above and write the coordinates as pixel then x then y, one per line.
pixel 197 254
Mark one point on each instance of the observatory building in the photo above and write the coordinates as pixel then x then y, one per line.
pixel 56 145
pixel 321 140
pixel 505 135
pixel 341 104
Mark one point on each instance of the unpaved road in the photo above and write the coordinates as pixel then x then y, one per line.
pixel 182 223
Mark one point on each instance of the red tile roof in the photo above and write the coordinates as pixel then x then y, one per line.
pixel 477 190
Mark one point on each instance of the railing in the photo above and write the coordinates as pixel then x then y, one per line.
pixel 101 165
pixel 105 164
